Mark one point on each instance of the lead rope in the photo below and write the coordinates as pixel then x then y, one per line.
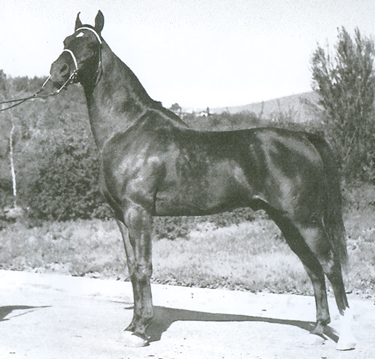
pixel 22 100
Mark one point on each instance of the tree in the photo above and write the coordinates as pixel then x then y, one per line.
pixel 345 82
pixel 176 108
pixel 9 134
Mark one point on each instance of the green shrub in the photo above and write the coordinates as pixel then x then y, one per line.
pixel 345 81
pixel 63 185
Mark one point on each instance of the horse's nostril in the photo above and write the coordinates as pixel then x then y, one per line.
pixel 64 70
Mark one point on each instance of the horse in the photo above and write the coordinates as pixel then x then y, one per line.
pixel 154 164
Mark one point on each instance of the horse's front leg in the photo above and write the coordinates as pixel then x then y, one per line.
pixel 138 247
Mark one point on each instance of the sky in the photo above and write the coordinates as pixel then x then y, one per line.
pixel 197 53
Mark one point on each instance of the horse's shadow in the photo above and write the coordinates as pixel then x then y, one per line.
pixel 164 317
pixel 9 309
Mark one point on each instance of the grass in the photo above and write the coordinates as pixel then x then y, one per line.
pixel 248 256
pixel 251 255
pixel 78 248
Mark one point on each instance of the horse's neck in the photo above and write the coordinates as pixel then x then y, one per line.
pixel 117 100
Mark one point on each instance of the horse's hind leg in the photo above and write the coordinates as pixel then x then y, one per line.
pixel 332 268
pixel 333 271
pixel 136 233
pixel 297 242
pixel 318 243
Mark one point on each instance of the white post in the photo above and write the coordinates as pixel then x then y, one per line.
pixel 12 170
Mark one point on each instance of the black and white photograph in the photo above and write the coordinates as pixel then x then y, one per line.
pixel 187 179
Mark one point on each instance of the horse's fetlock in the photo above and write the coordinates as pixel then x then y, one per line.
pixel 142 273
pixel 131 269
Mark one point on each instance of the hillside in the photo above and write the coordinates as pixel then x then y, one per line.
pixel 302 105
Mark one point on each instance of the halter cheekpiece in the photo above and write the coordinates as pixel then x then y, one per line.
pixel 73 75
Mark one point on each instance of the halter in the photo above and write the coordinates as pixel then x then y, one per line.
pixel 66 83
pixel 73 57
pixel 93 31
pixel 73 75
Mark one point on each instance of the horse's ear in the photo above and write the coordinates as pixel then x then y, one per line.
pixel 78 22
pixel 99 22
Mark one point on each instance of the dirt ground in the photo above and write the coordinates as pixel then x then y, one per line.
pixel 52 316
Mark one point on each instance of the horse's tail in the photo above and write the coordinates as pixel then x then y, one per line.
pixel 333 221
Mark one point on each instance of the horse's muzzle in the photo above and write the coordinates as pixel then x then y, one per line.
pixel 61 72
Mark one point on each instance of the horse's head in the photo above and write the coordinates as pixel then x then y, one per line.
pixel 80 60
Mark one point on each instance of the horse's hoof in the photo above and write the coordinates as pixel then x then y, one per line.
pixel 134 341
pixel 346 343
pixel 346 339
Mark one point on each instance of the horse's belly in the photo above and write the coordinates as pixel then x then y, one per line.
pixel 186 207
pixel 196 197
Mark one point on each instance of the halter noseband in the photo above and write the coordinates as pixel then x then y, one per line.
pixel 73 57
pixel 73 75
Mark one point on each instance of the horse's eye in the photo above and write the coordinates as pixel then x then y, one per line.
pixel 80 34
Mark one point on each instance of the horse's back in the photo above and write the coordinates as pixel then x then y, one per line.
pixel 180 171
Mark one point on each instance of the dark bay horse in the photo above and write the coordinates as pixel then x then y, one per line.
pixel 153 164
